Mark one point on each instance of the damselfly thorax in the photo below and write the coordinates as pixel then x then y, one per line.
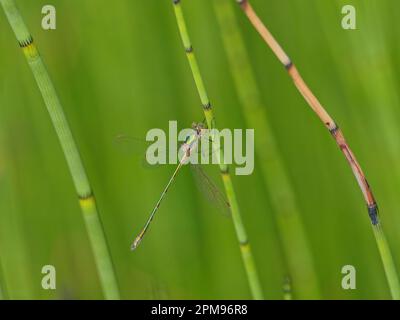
pixel 191 143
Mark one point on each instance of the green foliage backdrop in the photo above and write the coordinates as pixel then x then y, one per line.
pixel 119 68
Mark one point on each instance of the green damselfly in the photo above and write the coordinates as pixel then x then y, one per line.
pixel 188 148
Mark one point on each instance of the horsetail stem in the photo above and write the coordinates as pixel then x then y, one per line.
pixel 241 233
pixel 294 241
pixel 86 198
pixel 388 264
pixel 337 134
pixel 287 289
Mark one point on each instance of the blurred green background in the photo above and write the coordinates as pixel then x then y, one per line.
pixel 119 67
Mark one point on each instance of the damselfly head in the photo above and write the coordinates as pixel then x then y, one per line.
pixel 198 126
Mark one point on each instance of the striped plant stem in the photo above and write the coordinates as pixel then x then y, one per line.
pixel 292 235
pixel 337 134
pixel 241 233
pixel 86 198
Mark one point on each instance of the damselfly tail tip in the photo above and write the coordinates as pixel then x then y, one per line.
pixel 135 243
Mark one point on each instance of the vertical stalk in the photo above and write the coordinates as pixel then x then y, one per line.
pixel 388 264
pixel 86 198
pixel 294 241
pixel 287 289
pixel 337 134
pixel 241 233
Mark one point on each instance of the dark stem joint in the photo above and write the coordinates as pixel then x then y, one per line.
pixel 86 196
pixel 189 49
pixel 373 213
pixel 26 42
pixel 176 1
pixel 288 65
pixel 244 243
pixel 334 130
pixel 207 106
pixel 225 171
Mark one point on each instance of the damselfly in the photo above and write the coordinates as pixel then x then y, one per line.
pixel 188 148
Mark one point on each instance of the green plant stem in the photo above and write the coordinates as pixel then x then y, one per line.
pixel 241 234
pixel 294 241
pixel 287 289
pixel 86 198
pixel 388 263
